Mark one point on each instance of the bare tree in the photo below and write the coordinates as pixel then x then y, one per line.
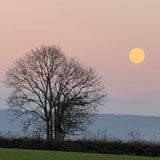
pixel 57 91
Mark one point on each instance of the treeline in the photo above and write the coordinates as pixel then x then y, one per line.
pixel 104 147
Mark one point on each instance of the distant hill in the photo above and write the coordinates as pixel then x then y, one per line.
pixel 8 123
pixel 117 126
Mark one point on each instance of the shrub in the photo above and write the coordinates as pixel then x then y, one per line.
pixel 115 147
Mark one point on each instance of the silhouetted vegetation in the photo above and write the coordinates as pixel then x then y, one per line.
pixel 57 94
pixel 105 147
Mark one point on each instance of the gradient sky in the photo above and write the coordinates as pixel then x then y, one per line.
pixel 100 33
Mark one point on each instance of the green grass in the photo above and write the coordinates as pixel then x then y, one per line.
pixel 22 154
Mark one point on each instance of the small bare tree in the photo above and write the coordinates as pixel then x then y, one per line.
pixel 55 90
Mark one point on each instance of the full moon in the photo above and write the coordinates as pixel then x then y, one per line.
pixel 137 55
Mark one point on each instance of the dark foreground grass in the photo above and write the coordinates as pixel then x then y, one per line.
pixel 22 154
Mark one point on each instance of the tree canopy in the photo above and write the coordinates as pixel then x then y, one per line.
pixel 59 92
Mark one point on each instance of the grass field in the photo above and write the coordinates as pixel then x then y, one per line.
pixel 20 154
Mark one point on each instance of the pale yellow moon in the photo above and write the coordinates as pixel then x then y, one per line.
pixel 137 55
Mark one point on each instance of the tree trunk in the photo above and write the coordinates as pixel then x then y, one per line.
pixel 58 132
pixel 51 127
pixel 48 134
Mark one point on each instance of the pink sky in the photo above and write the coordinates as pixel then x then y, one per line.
pixel 100 33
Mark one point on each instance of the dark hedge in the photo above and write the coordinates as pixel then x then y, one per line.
pixel 117 147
